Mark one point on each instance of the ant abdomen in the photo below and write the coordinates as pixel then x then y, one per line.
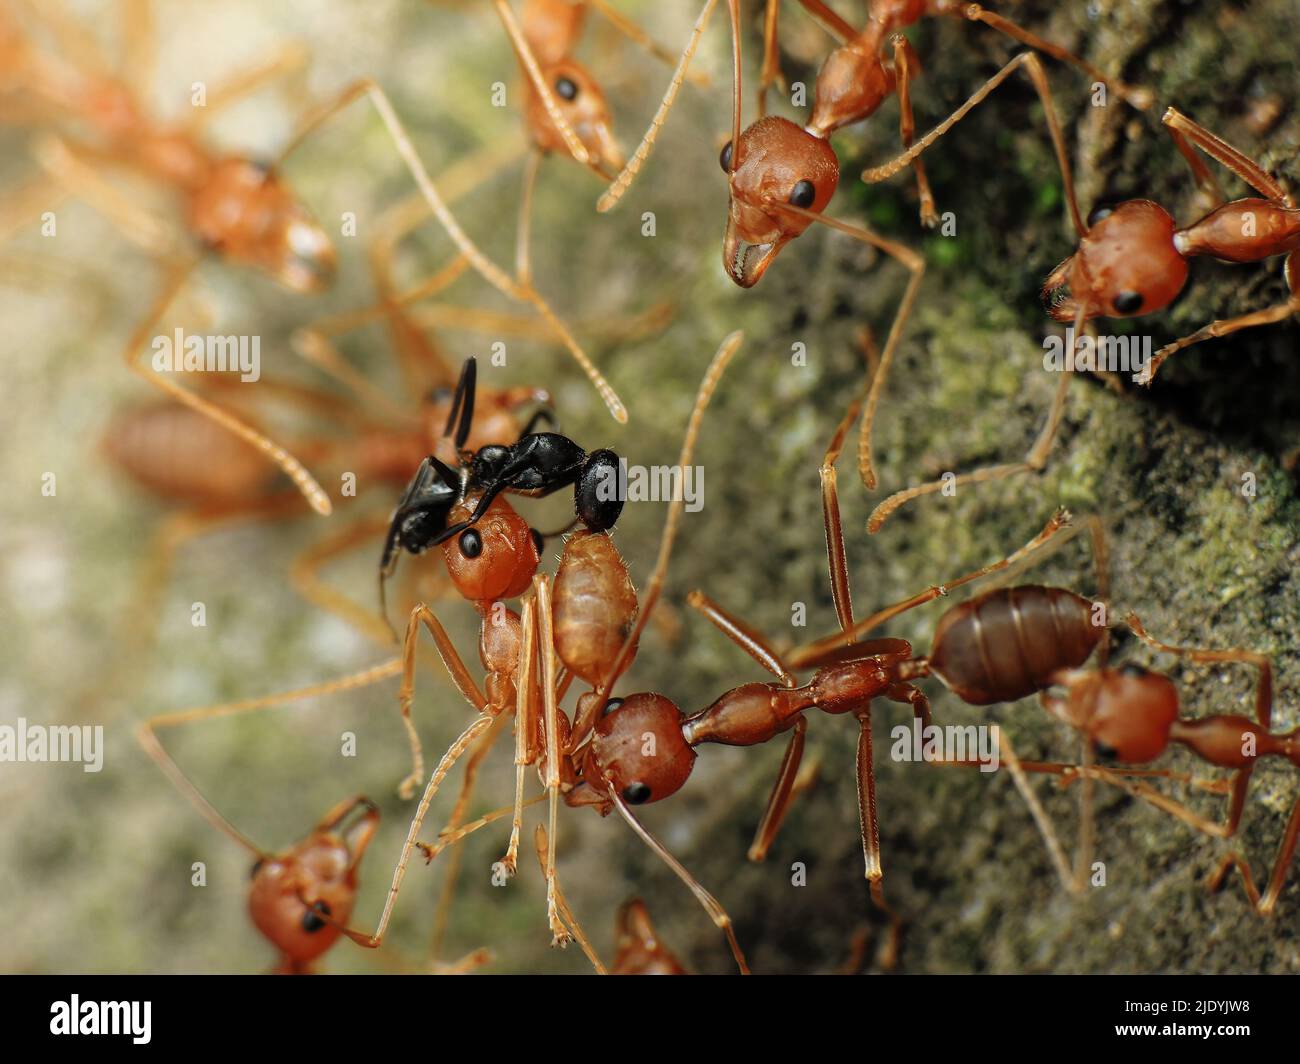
pixel 1007 644
pixel 595 605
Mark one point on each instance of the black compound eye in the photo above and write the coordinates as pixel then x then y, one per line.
pixel 567 88
pixel 803 194
pixel 311 919
pixel 636 793
pixel 470 543
pixel 724 158
pixel 257 867
pixel 1104 752
pixel 1132 669
pixel 1100 212
pixel 1128 302
pixel 610 706
pixel 538 540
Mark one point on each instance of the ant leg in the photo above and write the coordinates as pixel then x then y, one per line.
pixel 545 853
pixel 710 904
pixel 757 647
pixel 304 575
pixel 1228 326
pixel 1261 662
pixel 824 649
pixel 915 264
pixel 526 751
pixel 708 385
pixel 466 739
pixel 1206 182
pixel 442 910
pixel 1285 851
pixel 1180 127
pixel 1034 462
pixel 905 61
pixel 1034 68
pixel 406 694
pixel 433 849
pixel 533 70
pixel 77 177
pixel 869 822
pixel 488 270
pixel 1039 815
pixel 146 731
pixel 831 22
pixel 620 184
pixel 1135 96
pixel 287 463
pixel 524 228
pixel 638 36
pixel 551 730
pixel 770 73
pixel 285 62
pixel 782 796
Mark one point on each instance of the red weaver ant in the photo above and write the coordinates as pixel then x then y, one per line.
pixel 1133 260
pixel 1131 715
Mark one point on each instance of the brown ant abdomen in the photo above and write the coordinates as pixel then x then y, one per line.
pixel 595 605
pixel 1007 643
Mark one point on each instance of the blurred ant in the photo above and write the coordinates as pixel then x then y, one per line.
pixel 1130 716
pixel 565 110
pixel 638 949
pixel 1133 260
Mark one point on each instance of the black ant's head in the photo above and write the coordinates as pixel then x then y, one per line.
pixel 599 494
pixel 488 463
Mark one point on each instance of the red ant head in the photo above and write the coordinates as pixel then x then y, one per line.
pixel 1126 712
pixel 495 558
pixel 777 163
pixel 291 892
pixel 637 949
pixel 244 212
pixel 582 103
pixel 1127 264
pixel 638 748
